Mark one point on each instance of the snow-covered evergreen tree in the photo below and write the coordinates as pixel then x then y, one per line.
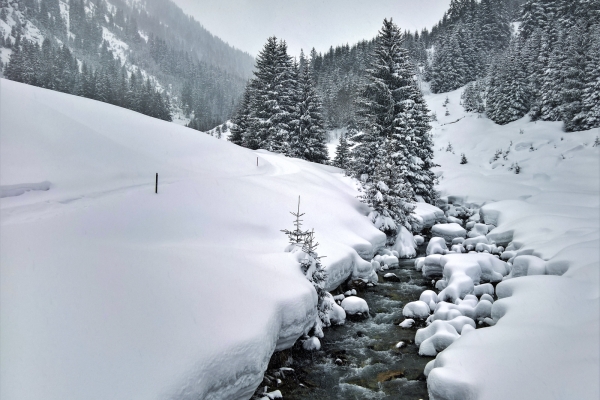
pixel 309 140
pixel 342 153
pixel 395 121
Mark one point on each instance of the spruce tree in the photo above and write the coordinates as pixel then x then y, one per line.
pixel 395 130
pixel 309 141
pixel 342 153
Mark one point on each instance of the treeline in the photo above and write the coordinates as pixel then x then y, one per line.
pixel 281 110
pixel 57 69
pixel 551 71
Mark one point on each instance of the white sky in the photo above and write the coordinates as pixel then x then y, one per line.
pixel 246 24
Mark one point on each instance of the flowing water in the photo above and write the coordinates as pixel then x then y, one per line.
pixel 360 360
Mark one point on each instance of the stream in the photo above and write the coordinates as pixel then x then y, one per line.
pixel 360 360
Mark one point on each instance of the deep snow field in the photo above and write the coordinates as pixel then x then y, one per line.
pixel 109 290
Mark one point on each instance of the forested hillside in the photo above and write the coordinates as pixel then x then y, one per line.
pixel 146 56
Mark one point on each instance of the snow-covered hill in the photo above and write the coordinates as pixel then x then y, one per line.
pixel 109 290
pixel 546 343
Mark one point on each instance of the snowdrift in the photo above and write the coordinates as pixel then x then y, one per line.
pixel 109 290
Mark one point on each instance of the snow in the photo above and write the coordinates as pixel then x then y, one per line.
pixel 406 244
pixel 337 315
pixel 116 46
pixel 407 323
pixel 427 215
pixel 19 189
pixel 109 290
pixel 416 310
pixel 355 305
pixel 544 335
pixel 311 344
pixel 435 338
pixel 437 245
pixel 448 231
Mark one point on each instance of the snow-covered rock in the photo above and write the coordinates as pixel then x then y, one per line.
pixel 427 215
pixel 478 230
pixel 448 231
pixel 355 305
pixel 405 244
pixel 407 323
pixel 435 338
pixel 528 265
pixel 436 245
pixel 337 315
pixel 416 310
pixel 312 344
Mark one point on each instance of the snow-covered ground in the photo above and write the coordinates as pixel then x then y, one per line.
pixel 546 342
pixel 109 290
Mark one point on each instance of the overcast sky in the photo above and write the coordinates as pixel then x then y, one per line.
pixel 246 24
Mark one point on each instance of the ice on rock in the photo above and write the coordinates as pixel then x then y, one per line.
pixel 487 297
pixel 485 288
pixel 478 230
pixel 312 344
pixel 407 323
pixel 405 244
pixel 416 310
pixel 528 265
pixel 448 231
pixel 355 305
pixel 337 315
pixel 437 245
pixel 460 322
pixel 435 338
pixel 419 240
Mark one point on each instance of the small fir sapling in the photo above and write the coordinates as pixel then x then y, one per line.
pixel 449 149
pixel 596 142
pixel 447 112
pixel 434 116
pixel 463 158
pixel 521 131
pixel 505 156
pixel 310 263
pixel 531 148
pixel 517 168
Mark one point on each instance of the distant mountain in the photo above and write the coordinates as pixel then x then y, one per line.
pixel 146 55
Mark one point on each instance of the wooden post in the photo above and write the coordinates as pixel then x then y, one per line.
pixel 156 184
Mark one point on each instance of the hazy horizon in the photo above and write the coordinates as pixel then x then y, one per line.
pixel 246 24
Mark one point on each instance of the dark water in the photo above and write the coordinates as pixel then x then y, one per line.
pixel 359 360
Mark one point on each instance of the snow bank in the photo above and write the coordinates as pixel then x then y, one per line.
pixel 405 244
pixel 448 231
pixel 427 215
pixel 550 210
pixel 109 290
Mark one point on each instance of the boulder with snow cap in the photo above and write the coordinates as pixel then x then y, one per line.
pixel 448 231
pixel 416 310
pixel 436 245
pixel 355 305
pixel 435 338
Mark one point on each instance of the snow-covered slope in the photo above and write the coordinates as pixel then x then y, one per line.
pixel 109 290
pixel 546 343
